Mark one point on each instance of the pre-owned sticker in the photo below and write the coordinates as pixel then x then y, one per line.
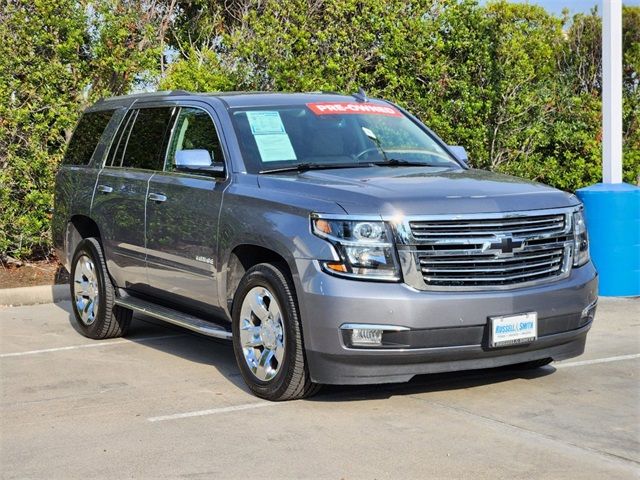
pixel 341 108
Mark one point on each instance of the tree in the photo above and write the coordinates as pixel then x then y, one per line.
pixel 517 86
pixel 56 57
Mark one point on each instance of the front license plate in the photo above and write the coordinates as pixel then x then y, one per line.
pixel 513 329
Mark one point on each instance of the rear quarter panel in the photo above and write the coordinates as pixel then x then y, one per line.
pixel 73 194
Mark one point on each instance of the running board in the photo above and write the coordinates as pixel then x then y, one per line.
pixel 174 317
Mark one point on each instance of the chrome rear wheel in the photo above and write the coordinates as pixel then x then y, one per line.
pixel 86 292
pixel 93 294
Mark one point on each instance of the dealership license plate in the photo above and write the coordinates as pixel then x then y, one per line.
pixel 513 329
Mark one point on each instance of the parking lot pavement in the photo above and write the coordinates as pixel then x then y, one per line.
pixel 164 403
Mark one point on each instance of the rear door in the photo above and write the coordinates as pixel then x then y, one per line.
pixel 136 153
pixel 182 215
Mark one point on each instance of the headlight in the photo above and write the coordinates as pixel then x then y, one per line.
pixel 365 248
pixel 580 239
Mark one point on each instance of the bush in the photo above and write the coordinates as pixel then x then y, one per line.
pixel 518 87
pixel 56 57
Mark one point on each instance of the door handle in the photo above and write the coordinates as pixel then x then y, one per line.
pixel 105 188
pixel 157 197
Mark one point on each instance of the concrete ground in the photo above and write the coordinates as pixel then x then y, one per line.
pixel 164 403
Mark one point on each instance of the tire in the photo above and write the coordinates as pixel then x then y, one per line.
pixel 533 364
pixel 261 328
pixel 93 294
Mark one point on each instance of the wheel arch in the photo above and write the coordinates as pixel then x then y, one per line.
pixel 79 227
pixel 241 258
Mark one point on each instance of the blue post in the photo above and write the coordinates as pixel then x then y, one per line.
pixel 613 221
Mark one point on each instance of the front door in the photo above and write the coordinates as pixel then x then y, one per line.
pixel 182 217
pixel 136 153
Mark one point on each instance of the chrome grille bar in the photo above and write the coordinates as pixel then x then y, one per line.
pixel 496 278
pixel 478 259
pixel 555 261
pixel 430 229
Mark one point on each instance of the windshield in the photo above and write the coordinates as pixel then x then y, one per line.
pixel 317 135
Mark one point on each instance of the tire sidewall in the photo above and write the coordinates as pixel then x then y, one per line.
pixel 86 247
pixel 262 276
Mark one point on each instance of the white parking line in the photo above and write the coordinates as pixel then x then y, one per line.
pixel 88 345
pixel 214 411
pixel 597 360
pixel 248 406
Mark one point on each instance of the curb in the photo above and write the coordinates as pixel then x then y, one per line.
pixel 13 297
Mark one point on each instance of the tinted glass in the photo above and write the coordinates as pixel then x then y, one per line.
pixel 120 140
pixel 86 137
pixel 194 130
pixel 145 145
pixel 276 137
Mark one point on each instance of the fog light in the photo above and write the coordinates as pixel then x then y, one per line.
pixel 366 336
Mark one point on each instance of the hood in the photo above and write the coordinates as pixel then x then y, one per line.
pixel 419 190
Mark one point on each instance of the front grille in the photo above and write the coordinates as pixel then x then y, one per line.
pixel 491 252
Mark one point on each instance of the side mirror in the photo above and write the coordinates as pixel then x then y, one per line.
pixel 197 161
pixel 460 153
pixel 193 158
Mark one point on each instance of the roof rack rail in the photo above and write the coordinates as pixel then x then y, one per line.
pixel 168 93
pixel 324 92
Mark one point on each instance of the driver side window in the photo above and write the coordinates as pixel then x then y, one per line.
pixel 194 140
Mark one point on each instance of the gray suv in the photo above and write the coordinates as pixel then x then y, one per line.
pixel 334 239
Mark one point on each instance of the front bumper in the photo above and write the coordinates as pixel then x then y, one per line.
pixel 448 331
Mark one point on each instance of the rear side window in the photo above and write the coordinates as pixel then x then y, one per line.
pixel 120 140
pixel 86 137
pixel 145 144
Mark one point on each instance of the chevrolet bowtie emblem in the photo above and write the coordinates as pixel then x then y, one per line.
pixel 504 246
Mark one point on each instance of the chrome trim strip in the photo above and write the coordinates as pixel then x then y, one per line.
pixel 332 216
pixel 478 251
pixel 373 326
pixel 469 223
pixel 485 216
pixel 463 216
pixel 480 232
pixel 437 261
pixel 488 270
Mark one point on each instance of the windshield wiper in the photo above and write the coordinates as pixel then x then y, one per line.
pixel 394 162
pixel 303 167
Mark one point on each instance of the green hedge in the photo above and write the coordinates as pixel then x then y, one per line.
pixel 517 86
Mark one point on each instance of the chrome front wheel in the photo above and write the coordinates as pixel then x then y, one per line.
pixel 86 292
pixel 262 335
pixel 267 334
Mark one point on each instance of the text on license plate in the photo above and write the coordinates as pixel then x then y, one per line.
pixel 513 329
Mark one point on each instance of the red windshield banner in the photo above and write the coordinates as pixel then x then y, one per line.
pixel 341 108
